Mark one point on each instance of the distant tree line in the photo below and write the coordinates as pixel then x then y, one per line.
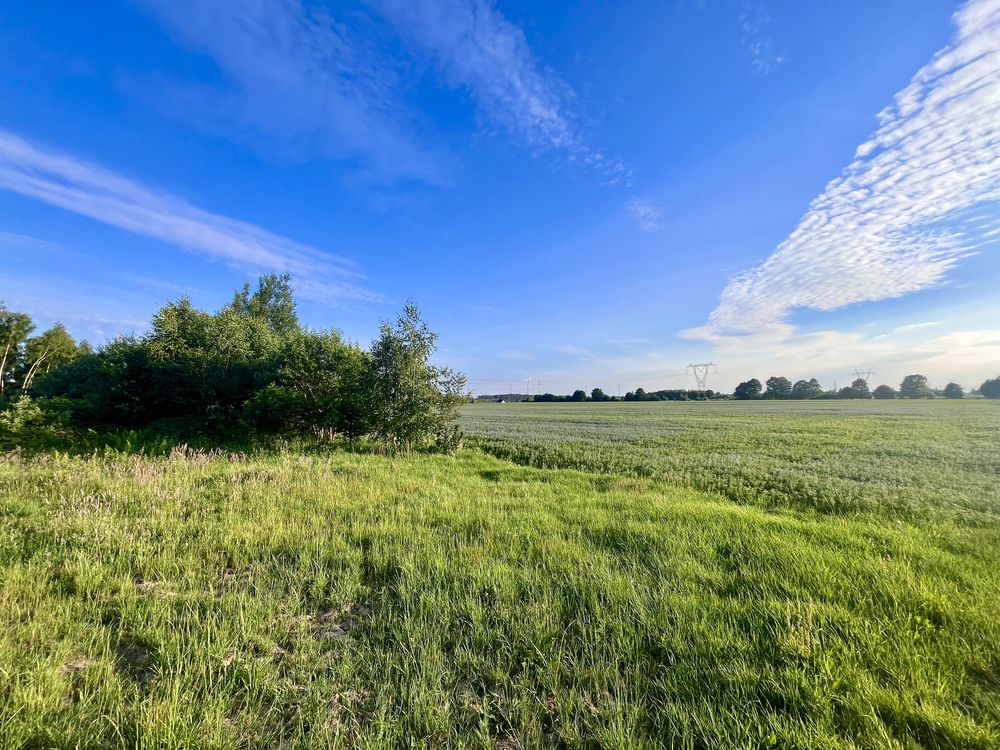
pixel 912 386
pixel 775 388
pixel 250 368
pixel 671 395
pixel 598 395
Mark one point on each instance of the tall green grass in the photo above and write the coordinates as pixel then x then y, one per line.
pixel 348 600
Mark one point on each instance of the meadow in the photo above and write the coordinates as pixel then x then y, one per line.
pixel 705 575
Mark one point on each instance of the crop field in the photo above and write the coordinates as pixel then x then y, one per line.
pixel 929 460
pixel 706 575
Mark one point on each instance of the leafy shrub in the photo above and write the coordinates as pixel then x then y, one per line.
pixel 413 403
pixel 252 370
pixel 26 423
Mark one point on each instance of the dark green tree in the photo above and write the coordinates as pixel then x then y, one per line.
pixel 111 387
pixel 15 328
pixel 46 352
pixel 598 394
pixel 805 389
pixel 915 386
pixel 413 403
pixel 991 388
pixel 860 389
pixel 778 387
pixel 747 390
pixel 884 392
pixel 953 390
pixel 306 391
pixel 578 395
pixel 206 367
pixel 273 302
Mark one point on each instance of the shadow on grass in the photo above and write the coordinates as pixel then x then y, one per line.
pixel 155 442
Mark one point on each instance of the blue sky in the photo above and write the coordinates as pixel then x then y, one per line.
pixel 575 193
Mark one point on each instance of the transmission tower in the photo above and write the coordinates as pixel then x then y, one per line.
pixel 865 375
pixel 701 370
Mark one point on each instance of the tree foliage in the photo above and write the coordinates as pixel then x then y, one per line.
pixel 778 388
pixel 411 401
pixel 672 394
pixel 857 389
pixel 953 390
pixel 804 389
pixel 252 368
pixel 25 358
pixel 915 386
pixel 884 392
pixel 14 330
pixel 748 389
pixel 991 387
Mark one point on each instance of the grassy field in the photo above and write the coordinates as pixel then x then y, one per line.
pixel 909 460
pixel 615 576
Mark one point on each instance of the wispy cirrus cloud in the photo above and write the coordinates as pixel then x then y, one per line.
pixel 915 326
pixel 161 284
pixel 91 190
pixel 475 48
pixel 14 242
pixel 647 214
pixel 295 74
pixel 312 80
pixel 899 217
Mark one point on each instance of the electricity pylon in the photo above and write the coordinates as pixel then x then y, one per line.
pixel 701 370
pixel 865 375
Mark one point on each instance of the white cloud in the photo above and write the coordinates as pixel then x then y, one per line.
pixel 646 213
pixel 91 310
pixel 754 23
pixel 898 217
pixel 574 351
pixel 297 76
pixel 161 284
pixel 963 355
pixel 974 352
pixel 475 48
pixel 305 78
pixel 915 326
pixel 18 243
pixel 100 194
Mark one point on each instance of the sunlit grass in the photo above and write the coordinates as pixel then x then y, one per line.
pixel 348 600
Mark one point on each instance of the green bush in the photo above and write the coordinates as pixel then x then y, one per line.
pixel 26 423
pixel 252 371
